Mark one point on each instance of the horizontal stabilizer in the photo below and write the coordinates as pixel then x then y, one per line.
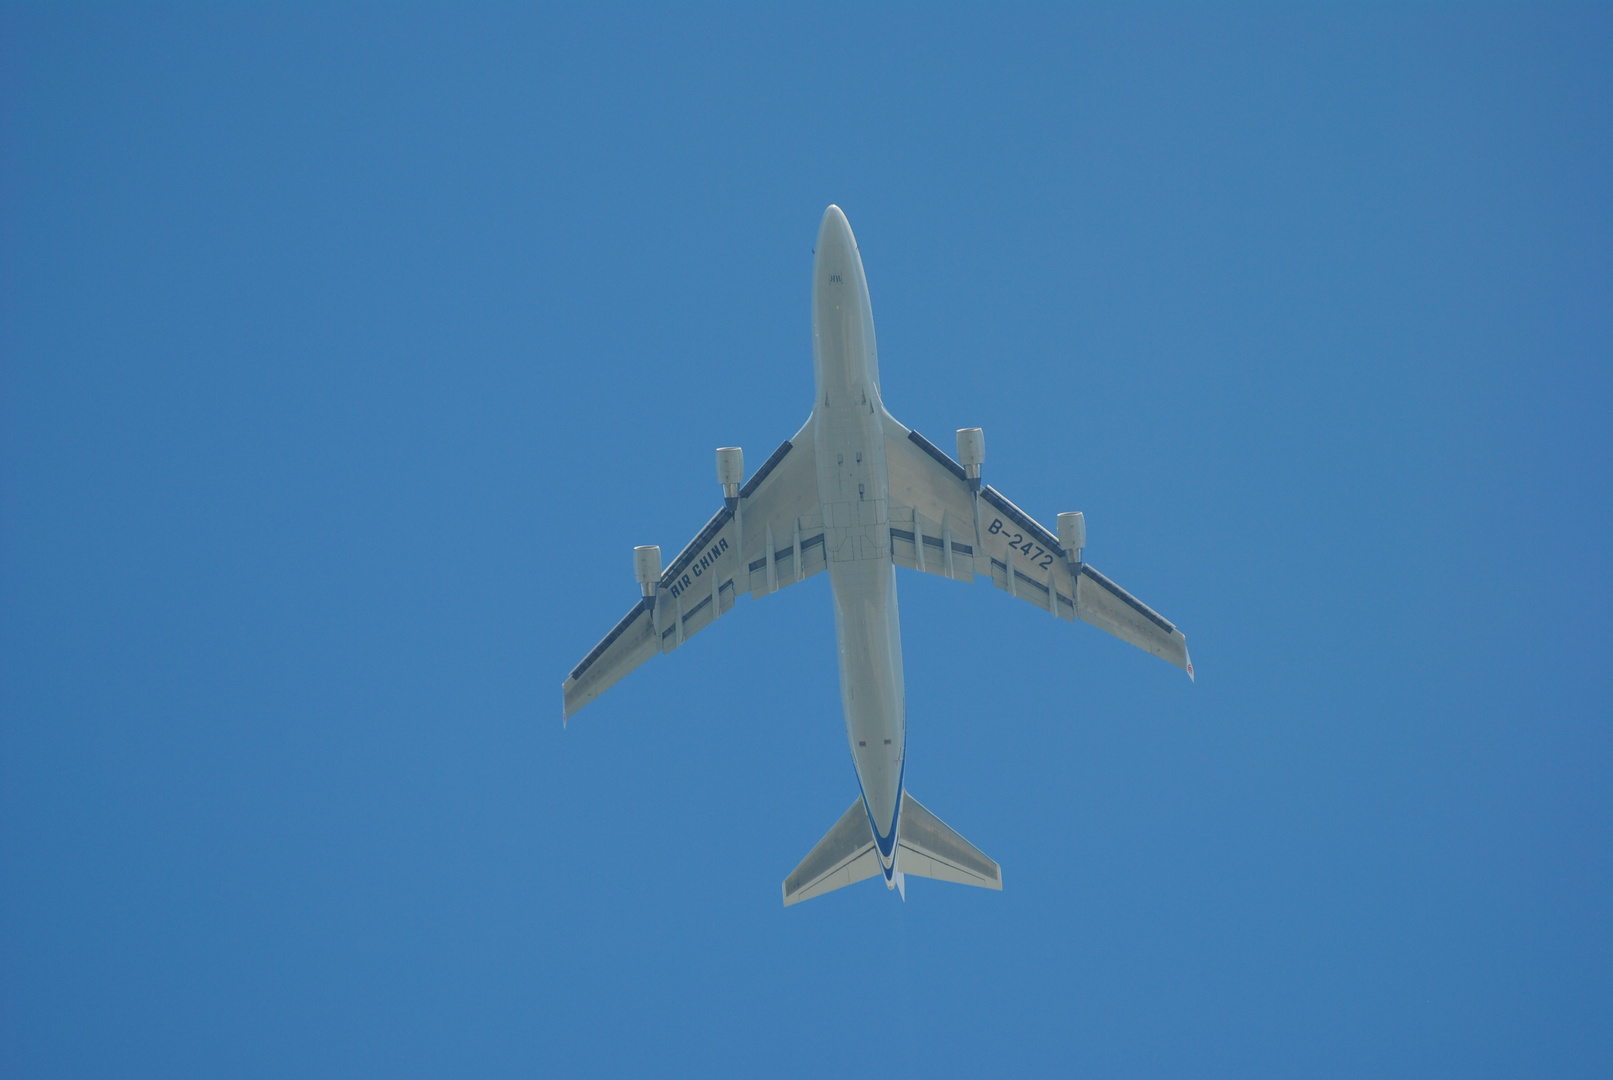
pixel 928 848
pixel 845 854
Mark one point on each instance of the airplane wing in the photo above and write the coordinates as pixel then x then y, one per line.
pixel 940 525
pixel 771 537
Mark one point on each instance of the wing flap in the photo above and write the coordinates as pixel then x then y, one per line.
pixel 930 501
pixel 922 543
pixel 781 520
pixel 803 544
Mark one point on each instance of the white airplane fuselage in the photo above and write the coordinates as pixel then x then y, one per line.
pixel 849 436
pixel 838 473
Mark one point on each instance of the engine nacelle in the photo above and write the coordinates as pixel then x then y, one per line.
pixel 971 453
pixel 1073 535
pixel 730 472
pixel 647 567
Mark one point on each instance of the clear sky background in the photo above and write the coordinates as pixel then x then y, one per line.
pixel 346 356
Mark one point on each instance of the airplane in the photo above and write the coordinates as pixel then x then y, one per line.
pixel 856 493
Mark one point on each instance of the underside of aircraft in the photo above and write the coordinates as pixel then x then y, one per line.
pixel 856 493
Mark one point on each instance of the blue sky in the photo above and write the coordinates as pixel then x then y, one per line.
pixel 347 354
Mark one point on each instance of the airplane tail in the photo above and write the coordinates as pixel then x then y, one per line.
pixel 925 847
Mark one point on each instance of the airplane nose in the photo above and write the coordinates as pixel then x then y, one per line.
pixel 835 230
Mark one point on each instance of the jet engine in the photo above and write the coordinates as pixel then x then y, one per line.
pixel 730 472
pixel 972 453
pixel 647 568
pixel 1072 535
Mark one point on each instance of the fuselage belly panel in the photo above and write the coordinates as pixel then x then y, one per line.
pixel 850 444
